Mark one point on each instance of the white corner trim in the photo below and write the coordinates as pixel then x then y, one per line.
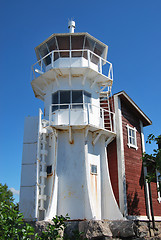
pixel 159 193
pixel 143 218
pixel 159 199
pixel 120 157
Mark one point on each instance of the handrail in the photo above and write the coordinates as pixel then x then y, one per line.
pixel 90 54
pixel 73 50
pixel 83 104
pixel 89 109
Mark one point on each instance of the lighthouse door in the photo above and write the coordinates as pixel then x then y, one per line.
pixel 95 186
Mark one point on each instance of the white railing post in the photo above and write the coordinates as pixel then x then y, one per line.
pixel 52 59
pixel 112 71
pixel 69 106
pixel 50 114
pixel 88 56
pixel 70 57
pixel 88 112
pixel 109 72
pixel 103 112
pixel 100 65
pixel 41 65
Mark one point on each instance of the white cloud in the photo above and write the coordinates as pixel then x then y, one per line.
pixel 14 191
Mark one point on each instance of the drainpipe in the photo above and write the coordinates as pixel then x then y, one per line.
pixel 151 206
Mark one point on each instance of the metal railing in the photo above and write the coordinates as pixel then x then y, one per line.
pixel 81 114
pixel 49 62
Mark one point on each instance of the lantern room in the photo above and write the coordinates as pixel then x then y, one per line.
pixel 72 54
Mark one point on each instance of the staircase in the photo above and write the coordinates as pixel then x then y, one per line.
pixel 108 115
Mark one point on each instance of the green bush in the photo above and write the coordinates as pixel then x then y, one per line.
pixel 12 226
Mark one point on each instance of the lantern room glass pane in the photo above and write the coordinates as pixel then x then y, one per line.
pixel 64 99
pixel 64 44
pixel 55 101
pixel 76 44
pixel 87 98
pixel 77 97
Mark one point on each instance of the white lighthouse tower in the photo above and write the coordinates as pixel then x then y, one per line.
pixel 64 164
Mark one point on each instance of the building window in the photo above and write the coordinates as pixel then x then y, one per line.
pixel 158 176
pixel 93 169
pixel 132 140
pixel 72 99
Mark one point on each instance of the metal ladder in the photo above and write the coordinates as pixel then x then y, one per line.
pixel 41 162
pixel 105 104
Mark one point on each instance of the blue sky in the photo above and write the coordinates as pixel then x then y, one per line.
pixel 131 29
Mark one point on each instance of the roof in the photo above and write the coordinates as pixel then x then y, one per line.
pixel 104 46
pixel 141 115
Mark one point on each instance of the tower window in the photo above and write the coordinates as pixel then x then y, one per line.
pixel 93 169
pixel 64 99
pixel 49 170
pixel 73 99
pixel 77 97
pixel 132 140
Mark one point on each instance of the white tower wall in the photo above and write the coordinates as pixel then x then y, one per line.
pixel 28 171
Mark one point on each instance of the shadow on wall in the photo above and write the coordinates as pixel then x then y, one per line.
pixel 132 202
pixel 141 180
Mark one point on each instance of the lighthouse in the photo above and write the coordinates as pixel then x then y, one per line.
pixel 64 164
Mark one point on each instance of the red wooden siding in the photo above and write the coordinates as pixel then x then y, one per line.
pixel 156 204
pixel 133 165
pixel 134 171
pixel 112 162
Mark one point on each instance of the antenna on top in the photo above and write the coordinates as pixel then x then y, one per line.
pixel 71 25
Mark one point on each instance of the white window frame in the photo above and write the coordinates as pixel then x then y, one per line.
pixel 130 145
pixel 159 193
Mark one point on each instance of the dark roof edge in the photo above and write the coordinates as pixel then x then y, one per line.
pixel 147 121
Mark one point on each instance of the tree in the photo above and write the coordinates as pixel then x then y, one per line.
pixel 12 225
pixel 5 194
pixel 153 161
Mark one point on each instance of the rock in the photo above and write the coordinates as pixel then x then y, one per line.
pixel 42 225
pixel 123 229
pixel 71 229
pixel 93 229
pixel 143 230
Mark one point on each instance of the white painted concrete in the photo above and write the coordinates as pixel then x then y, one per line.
pixel 28 171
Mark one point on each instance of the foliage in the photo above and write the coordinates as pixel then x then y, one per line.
pixel 13 227
pixel 5 194
pixel 153 161
pixel 11 220
pixel 53 231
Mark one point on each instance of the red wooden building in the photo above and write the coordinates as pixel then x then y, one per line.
pixel 127 173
